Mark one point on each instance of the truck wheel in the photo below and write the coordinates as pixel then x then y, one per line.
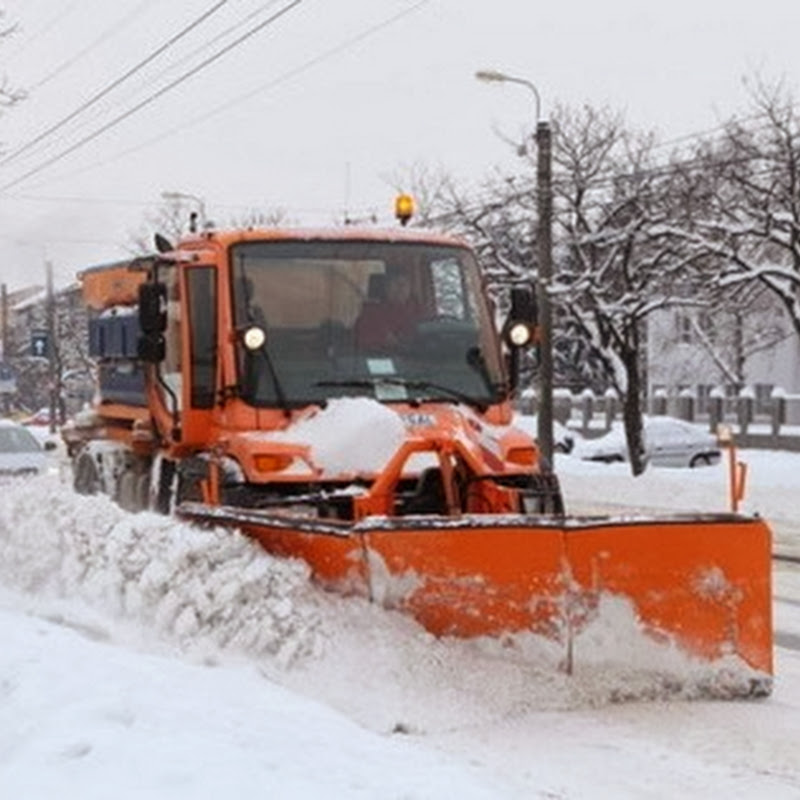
pixel 86 477
pixel 165 497
pixel 127 494
pixel 543 496
pixel 143 491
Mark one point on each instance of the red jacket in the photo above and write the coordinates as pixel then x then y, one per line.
pixel 385 324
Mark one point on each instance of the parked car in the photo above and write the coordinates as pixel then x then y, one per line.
pixel 40 417
pixel 21 453
pixel 563 437
pixel 668 442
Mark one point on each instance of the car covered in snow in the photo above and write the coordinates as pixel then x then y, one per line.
pixel 668 442
pixel 563 438
pixel 40 417
pixel 21 453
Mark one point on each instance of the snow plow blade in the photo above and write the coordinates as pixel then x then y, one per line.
pixel 700 584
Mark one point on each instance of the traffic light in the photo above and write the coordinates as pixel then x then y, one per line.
pixel 40 344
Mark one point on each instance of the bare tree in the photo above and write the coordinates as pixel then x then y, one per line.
pixel 170 220
pixel 753 179
pixel 620 260
pixel 255 218
pixel 173 219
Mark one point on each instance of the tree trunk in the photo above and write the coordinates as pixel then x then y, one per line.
pixel 632 413
pixel 739 357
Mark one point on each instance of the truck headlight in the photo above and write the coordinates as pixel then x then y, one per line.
pixel 254 338
pixel 519 334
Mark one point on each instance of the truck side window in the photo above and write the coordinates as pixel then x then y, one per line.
pixel 202 291
pixel 172 336
pixel 448 289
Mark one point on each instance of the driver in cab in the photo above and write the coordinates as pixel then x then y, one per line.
pixel 391 314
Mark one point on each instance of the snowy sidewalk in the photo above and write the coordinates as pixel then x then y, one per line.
pixel 772 490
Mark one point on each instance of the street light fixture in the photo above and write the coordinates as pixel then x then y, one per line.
pixel 493 76
pixel 200 203
pixel 544 190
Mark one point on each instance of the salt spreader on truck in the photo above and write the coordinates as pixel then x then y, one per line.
pixel 343 396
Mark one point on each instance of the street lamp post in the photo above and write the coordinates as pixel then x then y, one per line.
pixel 544 236
pixel 200 203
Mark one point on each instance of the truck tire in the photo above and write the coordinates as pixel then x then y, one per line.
pixel 543 495
pixel 165 497
pixel 143 491
pixel 86 476
pixel 127 491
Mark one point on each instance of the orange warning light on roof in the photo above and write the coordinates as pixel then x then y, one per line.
pixel 404 207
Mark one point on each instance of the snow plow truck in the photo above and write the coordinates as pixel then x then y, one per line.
pixel 265 380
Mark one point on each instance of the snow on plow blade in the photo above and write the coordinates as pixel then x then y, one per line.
pixel 702 584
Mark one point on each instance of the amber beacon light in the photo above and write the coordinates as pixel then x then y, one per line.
pixel 404 208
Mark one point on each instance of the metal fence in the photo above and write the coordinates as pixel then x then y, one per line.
pixel 774 424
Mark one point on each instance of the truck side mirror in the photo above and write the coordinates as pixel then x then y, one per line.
pixel 523 305
pixel 153 307
pixel 151 346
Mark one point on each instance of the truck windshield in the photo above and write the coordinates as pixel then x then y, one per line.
pixel 397 321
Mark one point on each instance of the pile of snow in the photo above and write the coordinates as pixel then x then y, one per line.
pixel 203 588
pixel 331 432
pixel 212 592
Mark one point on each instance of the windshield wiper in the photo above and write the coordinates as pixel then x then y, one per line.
pixel 408 383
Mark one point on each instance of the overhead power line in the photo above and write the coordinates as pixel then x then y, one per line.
pixel 214 39
pixel 153 97
pixel 343 46
pixel 114 84
pixel 106 34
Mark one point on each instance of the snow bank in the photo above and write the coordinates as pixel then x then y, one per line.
pixel 202 588
pixel 214 594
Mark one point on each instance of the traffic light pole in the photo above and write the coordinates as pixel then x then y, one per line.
pixel 544 184
pixel 6 350
pixel 51 350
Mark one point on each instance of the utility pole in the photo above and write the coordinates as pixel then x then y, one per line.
pixel 4 311
pixel 544 201
pixel 5 358
pixel 51 347
pixel 544 236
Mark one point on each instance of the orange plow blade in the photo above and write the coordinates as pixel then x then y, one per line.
pixel 698 584
pixel 705 583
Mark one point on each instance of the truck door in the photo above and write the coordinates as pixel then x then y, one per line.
pixel 200 351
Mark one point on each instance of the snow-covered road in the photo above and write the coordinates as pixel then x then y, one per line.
pixel 162 661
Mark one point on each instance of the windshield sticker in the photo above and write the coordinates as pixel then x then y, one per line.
pixel 381 366
pixel 418 420
pixel 390 391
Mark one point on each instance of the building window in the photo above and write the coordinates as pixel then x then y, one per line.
pixel 703 393
pixel 684 328
pixel 763 398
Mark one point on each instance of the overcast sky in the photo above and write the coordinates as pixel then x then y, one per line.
pixel 319 110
